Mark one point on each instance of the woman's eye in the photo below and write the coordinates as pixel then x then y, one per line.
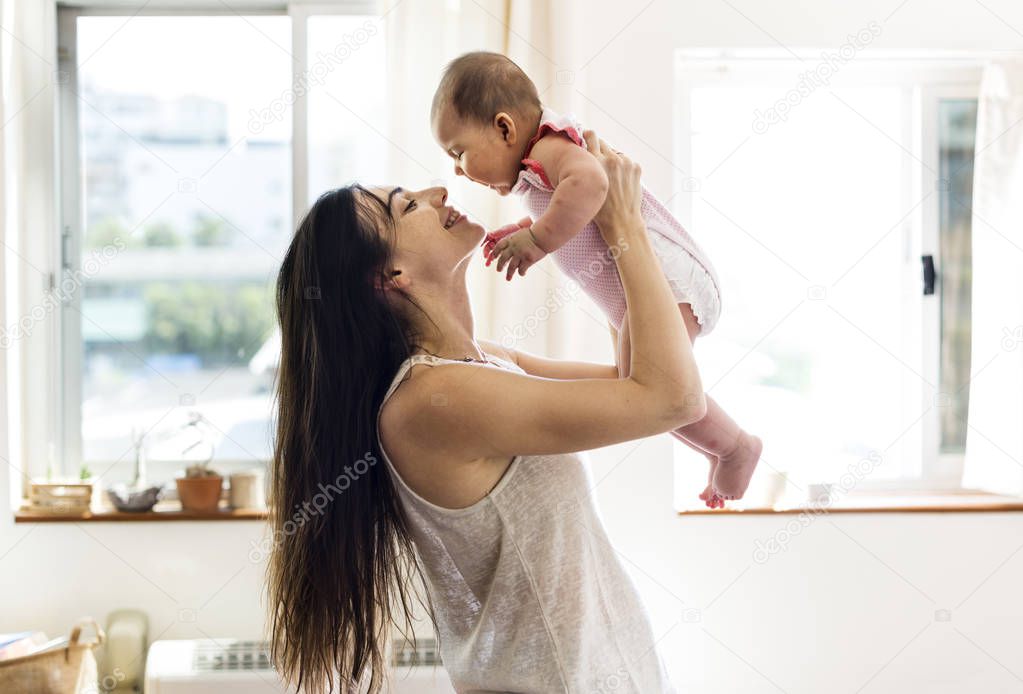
pixel 411 206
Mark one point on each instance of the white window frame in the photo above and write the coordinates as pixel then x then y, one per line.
pixel 300 13
pixel 65 362
pixel 933 76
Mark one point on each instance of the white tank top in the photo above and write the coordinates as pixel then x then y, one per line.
pixel 528 593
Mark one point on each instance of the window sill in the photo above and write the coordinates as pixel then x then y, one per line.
pixel 162 512
pixel 965 501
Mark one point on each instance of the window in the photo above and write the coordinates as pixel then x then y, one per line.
pixel 179 192
pixel 818 201
pixel 957 127
pixel 348 109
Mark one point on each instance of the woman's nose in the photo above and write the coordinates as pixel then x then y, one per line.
pixel 437 196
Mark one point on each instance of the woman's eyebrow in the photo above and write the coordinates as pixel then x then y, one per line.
pixel 388 204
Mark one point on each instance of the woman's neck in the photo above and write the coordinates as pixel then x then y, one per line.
pixel 450 332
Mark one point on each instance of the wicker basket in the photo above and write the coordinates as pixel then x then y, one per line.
pixel 68 670
pixel 60 497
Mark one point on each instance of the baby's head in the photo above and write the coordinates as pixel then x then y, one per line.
pixel 484 113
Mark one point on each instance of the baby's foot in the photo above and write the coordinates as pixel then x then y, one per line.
pixel 735 469
pixel 709 495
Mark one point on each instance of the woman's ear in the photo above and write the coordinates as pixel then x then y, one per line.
pixel 505 125
pixel 393 280
pixel 400 280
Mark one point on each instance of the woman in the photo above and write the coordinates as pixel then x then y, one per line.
pixel 468 456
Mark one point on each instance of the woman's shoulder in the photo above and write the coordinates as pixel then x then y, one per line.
pixel 422 425
pixel 425 380
pixel 405 411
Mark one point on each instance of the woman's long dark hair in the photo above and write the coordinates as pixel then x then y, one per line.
pixel 340 570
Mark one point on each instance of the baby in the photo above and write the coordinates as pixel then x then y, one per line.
pixel 487 116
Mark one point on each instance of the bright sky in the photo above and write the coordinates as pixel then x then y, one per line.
pixel 243 62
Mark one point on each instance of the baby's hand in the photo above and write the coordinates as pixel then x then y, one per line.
pixel 518 251
pixel 491 239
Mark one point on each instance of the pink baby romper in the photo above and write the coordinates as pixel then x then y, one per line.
pixel 588 260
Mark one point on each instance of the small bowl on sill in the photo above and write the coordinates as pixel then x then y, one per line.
pixel 134 500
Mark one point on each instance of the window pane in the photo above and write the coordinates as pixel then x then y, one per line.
pixel 347 102
pixel 957 129
pixel 804 223
pixel 186 157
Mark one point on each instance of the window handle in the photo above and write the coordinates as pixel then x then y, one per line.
pixel 929 274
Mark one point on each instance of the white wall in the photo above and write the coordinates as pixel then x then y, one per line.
pixel 852 603
pixel 849 606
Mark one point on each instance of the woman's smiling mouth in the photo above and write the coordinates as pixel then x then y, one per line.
pixel 454 216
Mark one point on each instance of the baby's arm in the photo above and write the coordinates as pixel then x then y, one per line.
pixel 580 185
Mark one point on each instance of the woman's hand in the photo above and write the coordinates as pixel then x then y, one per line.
pixel 617 218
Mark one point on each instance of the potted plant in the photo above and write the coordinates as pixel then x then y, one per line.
pixel 200 488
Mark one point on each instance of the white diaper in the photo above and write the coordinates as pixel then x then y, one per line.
pixel 689 281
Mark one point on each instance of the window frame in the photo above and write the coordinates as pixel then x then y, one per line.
pixel 301 13
pixel 928 78
pixel 63 423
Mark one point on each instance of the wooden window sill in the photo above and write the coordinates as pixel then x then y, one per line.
pixel 960 502
pixel 164 511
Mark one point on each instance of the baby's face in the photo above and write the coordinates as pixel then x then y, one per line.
pixel 487 154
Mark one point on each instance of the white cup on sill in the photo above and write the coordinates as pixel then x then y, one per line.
pixel 247 490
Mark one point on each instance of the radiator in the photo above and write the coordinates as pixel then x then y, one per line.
pixel 229 666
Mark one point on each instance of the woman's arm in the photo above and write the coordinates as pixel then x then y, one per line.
pixel 535 365
pixel 474 411
pixel 665 354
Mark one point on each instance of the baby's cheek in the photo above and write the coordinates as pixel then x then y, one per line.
pixel 494 167
pixel 477 168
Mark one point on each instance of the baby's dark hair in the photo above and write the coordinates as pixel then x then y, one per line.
pixel 481 84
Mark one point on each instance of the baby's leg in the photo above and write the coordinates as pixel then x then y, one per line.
pixel 737 451
pixel 717 435
pixel 623 344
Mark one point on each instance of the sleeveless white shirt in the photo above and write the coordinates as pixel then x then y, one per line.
pixel 528 593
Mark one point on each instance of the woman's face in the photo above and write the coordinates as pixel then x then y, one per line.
pixel 429 238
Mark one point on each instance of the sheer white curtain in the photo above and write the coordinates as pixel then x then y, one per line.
pixel 5 454
pixel 542 39
pixel 421 41
pixel 29 227
pixel 994 442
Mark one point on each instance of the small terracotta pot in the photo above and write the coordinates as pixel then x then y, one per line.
pixel 199 493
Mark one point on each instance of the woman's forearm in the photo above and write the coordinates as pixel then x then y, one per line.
pixel 661 360
pixel 661 354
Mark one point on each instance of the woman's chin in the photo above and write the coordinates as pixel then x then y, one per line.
pixel 468 228
pixel 471 233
